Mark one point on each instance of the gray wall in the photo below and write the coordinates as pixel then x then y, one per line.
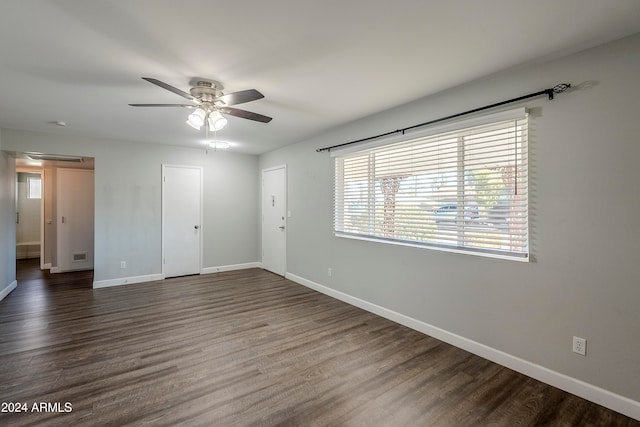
pixel 128 200
pixel 7 219
pixel 585 204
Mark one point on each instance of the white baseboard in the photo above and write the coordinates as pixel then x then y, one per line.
pixel 46 266
pixel 616 402
pixel 127 280
pixel 153 277
pixel 209 270
pixel 7 290
pixel 53 270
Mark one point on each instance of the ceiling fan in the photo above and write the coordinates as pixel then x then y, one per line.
pixel 209 103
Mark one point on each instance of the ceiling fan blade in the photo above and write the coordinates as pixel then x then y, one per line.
pixel 240 97
pixel 169 87
pixel 245 114
pixel 164 105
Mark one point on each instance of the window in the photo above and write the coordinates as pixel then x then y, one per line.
pixel 34 188
pixel 459 190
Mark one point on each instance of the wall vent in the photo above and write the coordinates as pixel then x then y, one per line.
pixel 79 256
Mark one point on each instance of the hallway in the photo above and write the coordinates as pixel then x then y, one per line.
pixel 32 279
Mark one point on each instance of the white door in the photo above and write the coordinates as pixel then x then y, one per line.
pixel 75 219
pixel 274 211
pixel 181 223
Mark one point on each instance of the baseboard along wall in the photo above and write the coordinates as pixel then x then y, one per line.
pixel 153 277
pixel 7 289
pixel 606 398
pixel 126 280
pixel 220 269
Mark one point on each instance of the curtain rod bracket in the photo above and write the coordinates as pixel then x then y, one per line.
pixel 559 88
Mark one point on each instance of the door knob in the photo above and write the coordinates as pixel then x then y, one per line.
pixel 196 227
pixel 281 227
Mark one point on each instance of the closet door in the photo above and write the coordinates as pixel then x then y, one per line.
pixel 182 223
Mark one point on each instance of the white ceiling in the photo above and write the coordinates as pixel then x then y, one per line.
pixel 318 63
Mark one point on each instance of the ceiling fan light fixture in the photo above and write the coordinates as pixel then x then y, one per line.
pixel 192 125
pixel 196 119
pixel 216 121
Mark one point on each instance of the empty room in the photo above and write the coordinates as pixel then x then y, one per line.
pixel 297 213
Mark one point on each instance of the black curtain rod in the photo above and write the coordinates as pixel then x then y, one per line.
pixel 559 88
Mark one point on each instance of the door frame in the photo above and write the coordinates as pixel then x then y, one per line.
pixel 163 219
pixel 286 212
pixel 44 265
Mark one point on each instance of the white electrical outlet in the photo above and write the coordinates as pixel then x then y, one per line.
pixel 580 346
pixel 123 264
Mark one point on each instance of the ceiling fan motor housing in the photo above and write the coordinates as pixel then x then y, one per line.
pixel 205 91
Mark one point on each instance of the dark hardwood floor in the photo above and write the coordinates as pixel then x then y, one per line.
pixel 246 348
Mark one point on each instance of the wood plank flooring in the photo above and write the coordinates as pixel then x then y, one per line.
pixel 247 348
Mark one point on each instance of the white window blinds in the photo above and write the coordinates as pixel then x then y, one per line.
pixel 460 190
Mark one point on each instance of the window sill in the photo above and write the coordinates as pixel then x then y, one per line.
pixel 440 248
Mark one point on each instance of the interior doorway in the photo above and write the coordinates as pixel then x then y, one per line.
pixel 46 167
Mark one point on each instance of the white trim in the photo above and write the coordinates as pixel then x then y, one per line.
pixel 219 269
pixel 7 290
pixel 54 270
pixel 46 266
pixel 342 235
pixel 42 220
pixel 155 277
pixel 514 114
pixel 127 280
pixel 616 402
